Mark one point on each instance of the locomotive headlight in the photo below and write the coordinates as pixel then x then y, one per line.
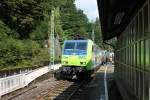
pixel 83 63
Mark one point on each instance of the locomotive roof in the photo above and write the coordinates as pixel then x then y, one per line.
pixel 77 40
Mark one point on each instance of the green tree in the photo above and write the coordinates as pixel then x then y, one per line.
pixel 23 15
pixel 73 20
pixel 24 29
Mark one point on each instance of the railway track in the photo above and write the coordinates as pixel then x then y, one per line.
pixel 50 90
pixel 64 90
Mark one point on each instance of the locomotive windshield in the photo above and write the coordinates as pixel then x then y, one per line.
pixel 70 45
pixel 81 46
pixel 75 48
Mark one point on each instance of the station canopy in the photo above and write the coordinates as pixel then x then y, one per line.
pixel 115 15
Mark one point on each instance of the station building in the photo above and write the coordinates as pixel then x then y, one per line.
pixel 129 22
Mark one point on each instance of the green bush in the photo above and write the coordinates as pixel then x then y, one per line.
pixel 19 53
pixel 41 57
pixel 40 34
pixel 13 51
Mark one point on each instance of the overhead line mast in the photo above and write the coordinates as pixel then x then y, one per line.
pixel 93 34
pixel 52 38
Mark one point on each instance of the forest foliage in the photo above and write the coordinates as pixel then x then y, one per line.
pixel 24 29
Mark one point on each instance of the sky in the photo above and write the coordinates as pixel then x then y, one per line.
pixel 89 7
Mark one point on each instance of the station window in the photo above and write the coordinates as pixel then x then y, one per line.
pixel 130 58
pixel 136 27
pixel 132 31
pixel 149 15
pixel 142 54
pixel 147 54
pixel 138 55
pixel 146 20
pixel 127 55
pixel 128 35
pixel 132 55
pixel 140 33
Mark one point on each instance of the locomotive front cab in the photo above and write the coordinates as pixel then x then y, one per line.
pixel 74 53
pixel 76 59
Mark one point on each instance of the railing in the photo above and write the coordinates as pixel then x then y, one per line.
pixel 12 83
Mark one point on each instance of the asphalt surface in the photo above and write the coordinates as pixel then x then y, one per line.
pixel 96 88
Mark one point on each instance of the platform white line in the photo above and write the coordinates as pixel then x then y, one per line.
pixel 105 84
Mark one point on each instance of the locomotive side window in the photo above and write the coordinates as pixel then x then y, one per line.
pixel 92 48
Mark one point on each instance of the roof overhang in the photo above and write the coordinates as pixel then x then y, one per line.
pixel 115 15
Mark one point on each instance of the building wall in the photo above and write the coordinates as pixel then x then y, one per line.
pixel 133 54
